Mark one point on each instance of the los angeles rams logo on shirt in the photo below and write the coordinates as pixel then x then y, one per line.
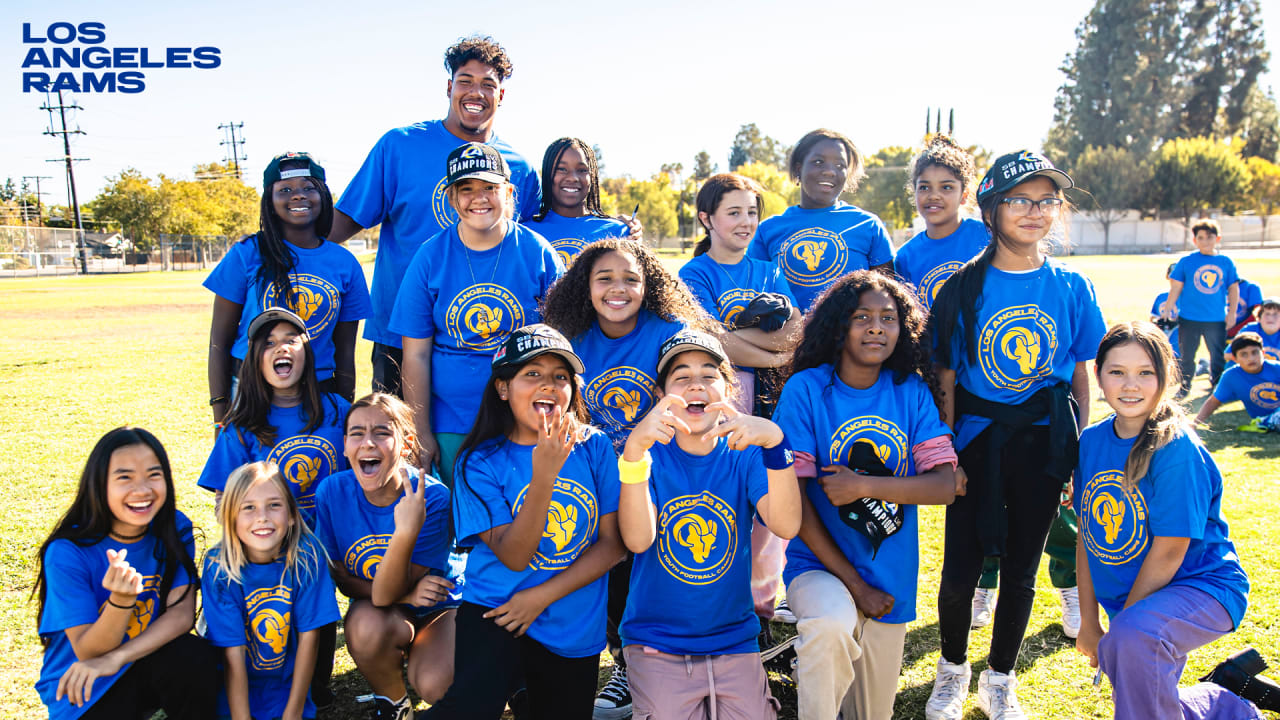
pixel 697 538
pixel 1270 353
pixel 303 459
pixel 364 555
pixel 1208 279
pixel 315 300
pixel 813 257
pixel 1017 346
pixel 932 282
pixel 144 608
pixel 733 301
pixel 621 396
pixel 571 523
pixel 269 616
pixel 568 248
pixel 441 210
pixel 884 436
pixel 1265 395
pixel 1113 519
pixel 482 316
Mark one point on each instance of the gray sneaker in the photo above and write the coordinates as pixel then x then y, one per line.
pixel 950 688
pixel 997 697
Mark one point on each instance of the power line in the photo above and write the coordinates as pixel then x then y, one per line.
pixel 68 161
pixel 236 146
pixel 39 193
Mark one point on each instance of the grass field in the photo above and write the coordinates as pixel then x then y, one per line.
pixel 84 354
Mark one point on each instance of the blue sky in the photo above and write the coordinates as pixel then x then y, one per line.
pixel 650 82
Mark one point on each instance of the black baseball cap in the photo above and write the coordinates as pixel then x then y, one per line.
pixel 476 160
pixel 1018 167
pixel 271 315
pixel 273 172
pixel 530 341
pixel 689 340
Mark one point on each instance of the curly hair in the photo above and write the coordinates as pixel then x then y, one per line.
pixel 827 325
pixel 857 169
pixel 567 306
pixel 482 48
pixel 944 152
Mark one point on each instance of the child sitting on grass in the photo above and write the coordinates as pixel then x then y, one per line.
pixel 1255 381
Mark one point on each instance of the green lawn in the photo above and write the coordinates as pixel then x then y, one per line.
pixel 83 355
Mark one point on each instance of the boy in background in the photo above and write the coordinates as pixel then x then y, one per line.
pixel 1204 290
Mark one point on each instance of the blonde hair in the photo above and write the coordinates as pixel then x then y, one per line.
pixel 1167 420
pixel 506 187
pixel 231 557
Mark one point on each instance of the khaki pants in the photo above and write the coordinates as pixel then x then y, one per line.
pixel 846 662
pixel 698 687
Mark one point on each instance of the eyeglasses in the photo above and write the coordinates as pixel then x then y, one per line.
pixel 1022 206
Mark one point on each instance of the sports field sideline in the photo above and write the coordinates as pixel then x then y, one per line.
pixel 81 355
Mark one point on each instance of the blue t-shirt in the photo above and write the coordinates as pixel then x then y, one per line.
pixel 1260 393
pixel 266 612
pixel 701 554
pixel 621 373
pixel 822 415
pixel 356 533
pixel 570 235
pixel 1033 327
pixel 1155 312
pixel 73 576
pixel 1270 342
pixel 726 290
pixel 1206 280
pixel 1250 297
pixel 814 247
pixel 467 303
pixel 304 459
pixel 926 263
pixel 401 185
pixel 491 485
pixel 1180 496
pixel 328 286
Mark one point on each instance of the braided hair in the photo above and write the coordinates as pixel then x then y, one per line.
pixel 278 259
pixel 591 203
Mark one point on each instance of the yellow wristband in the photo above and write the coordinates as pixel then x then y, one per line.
pixel 634 473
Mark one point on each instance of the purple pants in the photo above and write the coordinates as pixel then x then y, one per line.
pixel 1145 650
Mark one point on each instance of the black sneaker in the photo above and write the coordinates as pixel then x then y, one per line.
pixel 613 702
pixel 384 709
pixel 779 655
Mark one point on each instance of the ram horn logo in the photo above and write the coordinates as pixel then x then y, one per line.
pixel 272 628
pixel 370 567
pixel 627 402
pixel 305 302
pixel 302 470
pixel 484 320
pixel 1110 515
pixel 561 522
pixel 1022 345
pixel 881 450
pixel 811 252
pixel 695 533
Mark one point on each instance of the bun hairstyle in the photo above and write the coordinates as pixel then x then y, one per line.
pixel 942 151
pixel 856 169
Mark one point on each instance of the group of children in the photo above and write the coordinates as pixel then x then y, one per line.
pixel 589 454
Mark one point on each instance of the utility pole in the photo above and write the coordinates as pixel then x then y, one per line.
pixel 71 177
pixel 39 194
pixel 236 155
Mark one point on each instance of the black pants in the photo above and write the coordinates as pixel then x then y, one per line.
pixel 180 677
pixel 1215 341
pixel 489 664
pixel 387 361
pixel 619 590
pixel 1031 501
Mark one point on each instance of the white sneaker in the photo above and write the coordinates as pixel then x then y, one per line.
pixel 996 696
pixel 984 603
pixel 782 613
pixel 950 688
pixel 1070 611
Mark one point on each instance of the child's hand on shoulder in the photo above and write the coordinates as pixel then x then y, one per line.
pixel 659 426
pixel 742 431
pixel 555 442
pixel 411 511
pixel 842 485
pixel 121 579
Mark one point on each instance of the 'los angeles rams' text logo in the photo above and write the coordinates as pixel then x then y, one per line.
pixel 813 257
pixel 1265 395
pixel 697 538
pixel 482 316
pixel 571 524
pixel 269 617
pixel 884 436
pixel 933 281
pixel 733 301
pixel 304 459
pixel 1208 279
pixel 568 248
pixel 144 607
pixel 315 300
pixel 621 396
pixel 364 555
pixel 441 210
pixel 1113 519
pixel 1017 346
